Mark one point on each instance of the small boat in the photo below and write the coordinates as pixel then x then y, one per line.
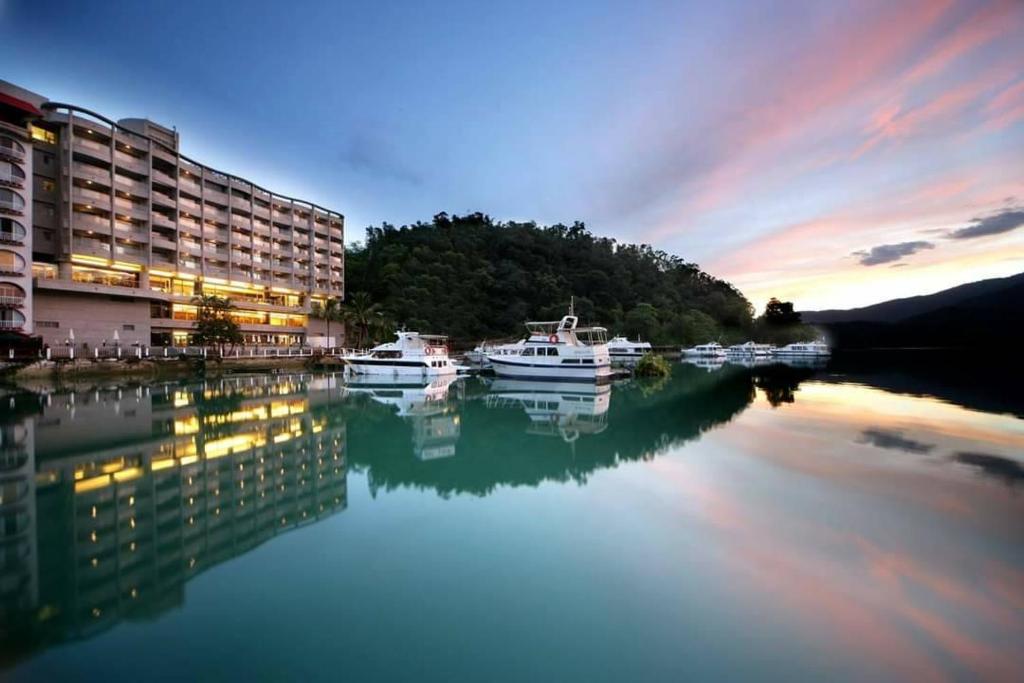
pixel 558 350
pixel 814 349
pixel 478 356
pixel 751 349
pixel 412 354
pixel 621 349
pixel 710 350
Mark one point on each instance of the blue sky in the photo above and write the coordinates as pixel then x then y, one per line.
pixel 798 149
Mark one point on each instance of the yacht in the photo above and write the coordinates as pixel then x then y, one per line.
pixel 710 350
pixel 411 354
pixel 621 349
pixel 557 350
pixel 750 349
pixel 814 349
pixel 478 356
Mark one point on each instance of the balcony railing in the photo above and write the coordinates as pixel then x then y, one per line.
pixel 11 237
pixel 97 149
pixel 11 324
pixel 11 179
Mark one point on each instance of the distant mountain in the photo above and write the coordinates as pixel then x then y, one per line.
pixel 902 309
pixel 988 313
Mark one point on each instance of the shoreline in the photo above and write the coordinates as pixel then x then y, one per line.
pixel 148 367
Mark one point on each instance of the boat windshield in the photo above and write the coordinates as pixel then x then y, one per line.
pixel 592 335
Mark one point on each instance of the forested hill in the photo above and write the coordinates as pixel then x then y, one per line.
pixel 473 278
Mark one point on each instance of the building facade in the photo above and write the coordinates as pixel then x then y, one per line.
pixel 109 233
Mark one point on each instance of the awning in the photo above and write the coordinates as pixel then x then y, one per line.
pixel 19 104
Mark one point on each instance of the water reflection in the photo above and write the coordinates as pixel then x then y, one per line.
pixel 114 497
pixel 426 406
pixel 561 409
pixel 816 510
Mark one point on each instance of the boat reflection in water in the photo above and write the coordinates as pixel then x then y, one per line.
pixel 563 409
pixel 425 405
pixel 114 497
pixel 708 363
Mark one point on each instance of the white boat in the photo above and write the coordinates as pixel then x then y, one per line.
pixel 710 350
pixel 814 349
pixel 621 349
pixel 411 354
pixel 478 356
pixel 751 349
pixel 557 351
pixel 564 409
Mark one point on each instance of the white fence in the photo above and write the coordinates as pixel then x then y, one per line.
pixel 173 352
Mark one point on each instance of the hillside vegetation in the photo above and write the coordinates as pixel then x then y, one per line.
pixel 473 278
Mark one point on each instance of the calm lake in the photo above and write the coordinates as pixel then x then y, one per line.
pixel 863 521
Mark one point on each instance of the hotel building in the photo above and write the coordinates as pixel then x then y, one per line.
pixel 107 232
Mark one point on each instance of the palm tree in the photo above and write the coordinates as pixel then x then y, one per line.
pixel 362 314
pixel 330 310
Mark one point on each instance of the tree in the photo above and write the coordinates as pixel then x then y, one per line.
pixel 214 325
pixel 330 310
pixel 363 315
pixel 780 313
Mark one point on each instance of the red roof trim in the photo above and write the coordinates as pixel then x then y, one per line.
pixel 19 104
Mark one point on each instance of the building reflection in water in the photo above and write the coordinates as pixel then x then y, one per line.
pixel 109 519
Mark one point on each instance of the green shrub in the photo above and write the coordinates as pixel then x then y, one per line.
pixel 652 365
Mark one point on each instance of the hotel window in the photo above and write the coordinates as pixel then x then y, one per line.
pixel 43 135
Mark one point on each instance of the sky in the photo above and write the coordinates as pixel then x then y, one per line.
pixel 832 154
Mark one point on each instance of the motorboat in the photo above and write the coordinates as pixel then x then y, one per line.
pixel 709 350
pixel 558 350
pixel 411 354
pixel 814 349
pixel 621 349
pixel 478 356
pixel 750 349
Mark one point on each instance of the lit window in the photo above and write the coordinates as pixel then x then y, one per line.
pixel 43 135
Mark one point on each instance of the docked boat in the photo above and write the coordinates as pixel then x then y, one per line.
pixel 622 350
pixel 412 354
pixel 814 349
pixel 750 349
pixel 710 350
pixel 557 350
pixel 478 356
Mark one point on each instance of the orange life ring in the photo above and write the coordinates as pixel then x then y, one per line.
pixel 553 339
pixel 430 350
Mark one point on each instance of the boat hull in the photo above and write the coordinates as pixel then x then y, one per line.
pixel 398 368
pixel 517 369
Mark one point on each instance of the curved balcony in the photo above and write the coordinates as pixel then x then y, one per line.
pixel 12 232
pixel 11 175
pixel 11 263
pixel 11 320
pixel 11 149
pixel 11 295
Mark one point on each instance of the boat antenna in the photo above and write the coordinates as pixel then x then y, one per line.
pixel 572 305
